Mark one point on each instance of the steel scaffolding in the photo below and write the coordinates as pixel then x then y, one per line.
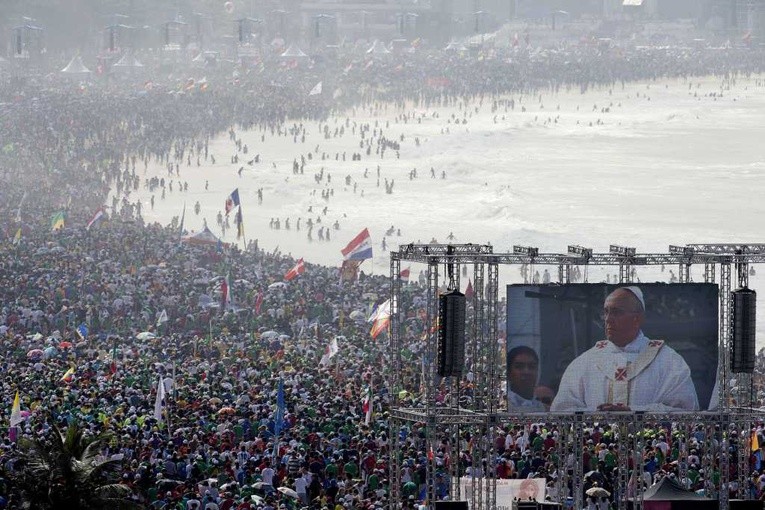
pixel 455 408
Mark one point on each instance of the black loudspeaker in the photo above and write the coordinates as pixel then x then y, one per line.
pixel 451 505
pixel 743 504
pixel 743 309
pixel 451 333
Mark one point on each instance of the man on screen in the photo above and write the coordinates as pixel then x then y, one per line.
pixel 523 374
pixel 627 372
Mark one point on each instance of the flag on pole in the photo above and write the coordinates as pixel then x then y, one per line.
pixel 331 349
pixel 16 417
pixel 360 247
pixel 259 302
pixel 279 417
pixel 295 271
pixel 68 375
pixel 380 311
pixel 404 275
pixel 280 409
pixel 162 318
pixel 82 331
pixel 225 293
pixel 57 221
pixel 159 403
pixel 239 224
pixel 349 271
pixel 755 441
pixel 316 90
pixel 97 217
pixel 232 201
pixel 17 237
pixel 366 405
pixel 183 217
pixel 18 212
pixel 380 326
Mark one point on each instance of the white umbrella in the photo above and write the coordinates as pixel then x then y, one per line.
pixel 145 335
pixel 597 492
pixel 269 334
pixel 257 499
pixel 288 492
pixel 277 285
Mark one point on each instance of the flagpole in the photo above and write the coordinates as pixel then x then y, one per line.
pixel 337 366
pixel 183 217
pixel 18 212
pixel 241 222
pixel 175 382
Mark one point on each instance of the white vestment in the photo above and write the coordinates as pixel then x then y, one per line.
pixel 645 375
pixel 516 402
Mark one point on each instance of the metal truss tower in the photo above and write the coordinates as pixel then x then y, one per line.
pixel 453 409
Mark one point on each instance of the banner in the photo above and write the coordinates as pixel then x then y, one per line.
pixel 507 490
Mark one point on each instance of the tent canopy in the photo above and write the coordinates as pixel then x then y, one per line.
pixel 75 66
pixel 668 489
pixel 455 46
pixel 378 48
pixel 293 51
pixel 128 61
pixel 203 237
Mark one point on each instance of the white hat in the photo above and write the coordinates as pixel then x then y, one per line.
pixel 637 293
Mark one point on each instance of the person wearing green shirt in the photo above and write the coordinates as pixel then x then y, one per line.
pixel 351 469
pixel 331 469
pixel 373 481
pixel 610 459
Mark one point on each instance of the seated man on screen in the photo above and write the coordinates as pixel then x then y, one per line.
pixel 627 372
pixel 523 373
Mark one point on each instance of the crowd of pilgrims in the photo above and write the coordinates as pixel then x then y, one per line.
pixel 64 147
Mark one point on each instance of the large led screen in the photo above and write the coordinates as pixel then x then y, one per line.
pixel 609 348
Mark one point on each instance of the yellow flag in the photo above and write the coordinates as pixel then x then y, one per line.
pixel 67 377
pixel 57 221
pixel 17 237
pixel 16 411
pixel 755 442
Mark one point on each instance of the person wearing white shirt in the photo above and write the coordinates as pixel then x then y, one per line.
pixel 627 371
pixel 267 477
pixel 523 375
pixel 301 487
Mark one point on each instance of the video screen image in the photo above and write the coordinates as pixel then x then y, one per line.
pixel 612 348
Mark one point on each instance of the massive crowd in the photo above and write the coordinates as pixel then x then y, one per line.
pixel 64 147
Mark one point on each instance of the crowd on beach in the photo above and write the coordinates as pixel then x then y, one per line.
pixel 128 306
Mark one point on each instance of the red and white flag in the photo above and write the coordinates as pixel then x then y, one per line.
pixel 366 405
pixel 381 324
pixel 404 275
pixel 225 293
pixel 331 349
pixel 295 271
pixel 469 292
pixel 98 216
pixel 259 302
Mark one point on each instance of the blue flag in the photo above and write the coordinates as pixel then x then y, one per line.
pixel 232 201
pixel 82 330
pixel 279 418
